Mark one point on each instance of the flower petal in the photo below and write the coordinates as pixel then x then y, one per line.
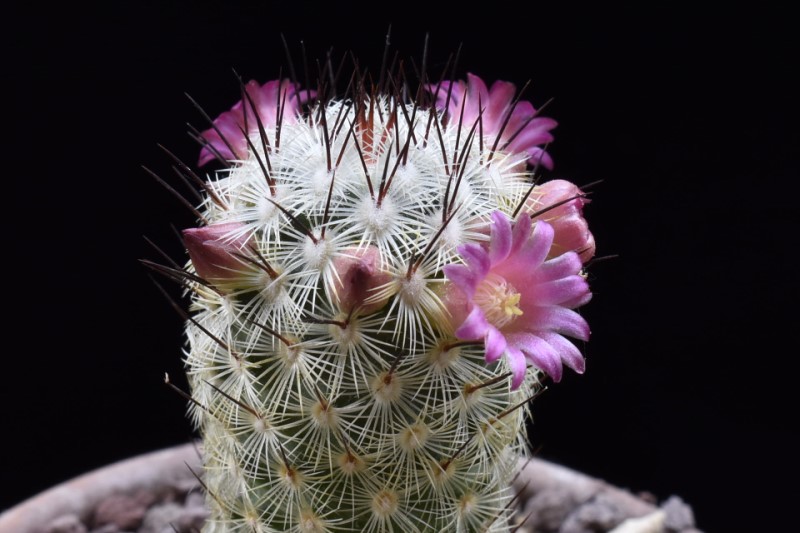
pixel 477 97
pixel 520 234
pixel 525 130
pixel 568 352
pixel 228 134
pixel 476 259
pixel 555 318
pixel 578 301
pixel 539 352
pixel 516 362
pixel 474 327
pixel 462 277
pixel 500 245
pixel 534 251
pixel 528 250
pixel 495 343
pixel 228 137
pixel 560 266
pixel 566 289
pixel 535 133
pixel 454 92
pixel 501 94
pixel 537 156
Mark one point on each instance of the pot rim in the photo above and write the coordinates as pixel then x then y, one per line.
pixel 80 495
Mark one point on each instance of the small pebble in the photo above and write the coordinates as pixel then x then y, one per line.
pixel 69 523
pixel 599 514
pixel 679 515
pixel 195 499
pixel 549 509
pixel 108 528
pixel 170 517
pixel 651 523
pixel 125 511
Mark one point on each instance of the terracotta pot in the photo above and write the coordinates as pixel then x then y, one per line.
pixel 552 498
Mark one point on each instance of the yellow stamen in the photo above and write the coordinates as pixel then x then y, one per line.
pixel 498 299
pixel 510 305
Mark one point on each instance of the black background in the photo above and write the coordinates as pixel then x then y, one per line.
pixel 690 119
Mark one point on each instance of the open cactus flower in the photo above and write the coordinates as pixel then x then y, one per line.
pixel 516 302
pixel 377 290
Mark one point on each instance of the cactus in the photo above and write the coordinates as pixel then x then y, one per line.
pixel 374 301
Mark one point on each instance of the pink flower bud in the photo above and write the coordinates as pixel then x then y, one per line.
pixel 213 250
pixel 571 229
pixel 358 276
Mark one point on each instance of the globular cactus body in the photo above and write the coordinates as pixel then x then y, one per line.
pixel 332 378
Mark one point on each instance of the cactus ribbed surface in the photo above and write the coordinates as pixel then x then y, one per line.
pixel 330 383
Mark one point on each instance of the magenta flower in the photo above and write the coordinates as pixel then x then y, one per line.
pixel 570 227
pixel 275 100
pixel 517 302
pixel 525 132
pixel 216 252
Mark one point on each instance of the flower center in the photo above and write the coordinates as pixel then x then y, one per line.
pixel 498 299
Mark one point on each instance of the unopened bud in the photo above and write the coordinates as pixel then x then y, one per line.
pixel 358 278
pixel 570 227
pixel 217 253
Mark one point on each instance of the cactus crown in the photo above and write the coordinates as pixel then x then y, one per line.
pixel 361 294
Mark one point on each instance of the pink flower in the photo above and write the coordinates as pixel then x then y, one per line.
pixel 517 302
pixel 571 229
pixel 274 100
pixel 358 276
pixel 213 250
pixel 525 130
